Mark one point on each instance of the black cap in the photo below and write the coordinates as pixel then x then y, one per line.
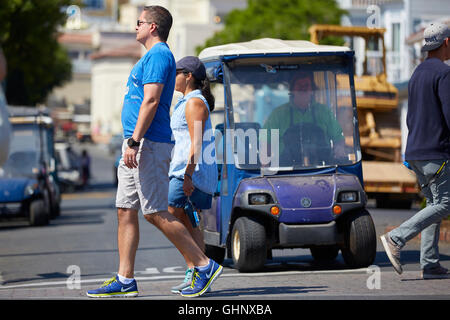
pixel 193 65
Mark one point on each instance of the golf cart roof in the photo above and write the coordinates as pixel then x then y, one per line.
pixel 269 46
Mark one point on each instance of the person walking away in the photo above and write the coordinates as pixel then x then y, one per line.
pixel 427 152
pixel 85 167
pixel 146 152
pixel 193 170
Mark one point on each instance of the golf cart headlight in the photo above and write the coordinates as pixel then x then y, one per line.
pixel 259 198
pixel 29 189
pixel 348 196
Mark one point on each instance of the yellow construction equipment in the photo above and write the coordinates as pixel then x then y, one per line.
pixel 385 177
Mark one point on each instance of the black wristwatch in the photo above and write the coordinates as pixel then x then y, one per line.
pixel 131 143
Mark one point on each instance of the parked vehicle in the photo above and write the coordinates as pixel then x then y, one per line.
pixel 5 129
pixel 310 197
pixel 28 180
pixel 68 164
pixel 115 144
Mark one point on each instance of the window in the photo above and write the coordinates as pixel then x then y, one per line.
pixel 94 4
pixel 396 37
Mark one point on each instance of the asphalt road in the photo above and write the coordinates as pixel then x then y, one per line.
pixel 78 251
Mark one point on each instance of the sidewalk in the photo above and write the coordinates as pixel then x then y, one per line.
pixel 352 284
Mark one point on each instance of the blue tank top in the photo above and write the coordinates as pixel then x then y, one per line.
pixel 205 176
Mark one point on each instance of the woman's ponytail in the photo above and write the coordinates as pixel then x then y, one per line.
pixel 206 92
pixel 205 88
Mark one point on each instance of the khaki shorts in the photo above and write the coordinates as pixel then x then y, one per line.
pixel 147 186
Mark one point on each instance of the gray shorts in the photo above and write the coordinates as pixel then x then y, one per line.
pixel 147 186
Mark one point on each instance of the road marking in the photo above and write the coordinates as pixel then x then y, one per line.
pixel 181 276
pixel 172 269
pixel 148 271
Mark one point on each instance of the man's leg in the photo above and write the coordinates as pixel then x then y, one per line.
pixel 128 240
pixel 429 249
pixel 123 284
pixel 177 233
pixel 438 202
pixel 437 195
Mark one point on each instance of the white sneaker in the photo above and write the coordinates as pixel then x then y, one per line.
pixel 393 252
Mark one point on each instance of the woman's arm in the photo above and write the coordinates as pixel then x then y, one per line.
pixel 196 116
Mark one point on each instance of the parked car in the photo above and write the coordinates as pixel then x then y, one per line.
pixel 28 180
pixel 115 144
pixel 69 167
pixel 309 197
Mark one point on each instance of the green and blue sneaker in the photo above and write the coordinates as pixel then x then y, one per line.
pixel 114 288
pixel 186 283
pixel 203 279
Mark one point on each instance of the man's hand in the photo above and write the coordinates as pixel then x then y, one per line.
pixel 129 157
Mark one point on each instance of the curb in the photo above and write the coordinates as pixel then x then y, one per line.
pixel 444 234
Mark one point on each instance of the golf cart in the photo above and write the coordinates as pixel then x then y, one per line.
pixel 28 179
pixel 293 182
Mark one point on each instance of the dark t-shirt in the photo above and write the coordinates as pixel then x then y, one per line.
pixel 428 116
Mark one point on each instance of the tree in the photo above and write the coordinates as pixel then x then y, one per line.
pixel 281 19
pixel 36 61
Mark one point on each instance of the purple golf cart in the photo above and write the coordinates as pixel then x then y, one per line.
pixel 287 147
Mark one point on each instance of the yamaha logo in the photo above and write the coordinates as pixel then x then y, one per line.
pixel 306 202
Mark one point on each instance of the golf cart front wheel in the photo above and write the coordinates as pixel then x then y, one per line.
pixel 360 242
pixel 248 244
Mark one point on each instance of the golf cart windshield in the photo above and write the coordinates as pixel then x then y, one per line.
pixel 293 112
pixel 23 159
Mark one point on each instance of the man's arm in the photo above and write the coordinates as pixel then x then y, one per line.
pixel 152 94
pixel 444 96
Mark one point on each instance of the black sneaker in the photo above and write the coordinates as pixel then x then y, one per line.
pixel 435 273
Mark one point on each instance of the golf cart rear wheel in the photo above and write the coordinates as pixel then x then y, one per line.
pixel 360 242
pixel 248 244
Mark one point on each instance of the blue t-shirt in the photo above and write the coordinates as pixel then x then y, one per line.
pixel 428 116
pixel 156 66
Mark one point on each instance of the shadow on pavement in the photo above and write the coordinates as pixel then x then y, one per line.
pixel 265 291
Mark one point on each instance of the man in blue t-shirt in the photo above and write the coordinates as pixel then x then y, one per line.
pixel 428 152
pixel 146 153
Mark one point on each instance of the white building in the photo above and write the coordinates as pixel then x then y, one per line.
pixel 401 18
pixel 194 21
pixel 404 21
pixel 111 67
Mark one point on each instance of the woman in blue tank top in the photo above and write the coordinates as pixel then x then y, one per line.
pixel 193 170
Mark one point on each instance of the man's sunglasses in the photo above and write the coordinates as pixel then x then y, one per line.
pixel 139 22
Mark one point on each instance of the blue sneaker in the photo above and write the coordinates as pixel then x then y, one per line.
pixel 114 288
pixel 202 281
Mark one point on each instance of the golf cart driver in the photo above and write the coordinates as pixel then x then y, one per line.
pixel 309 132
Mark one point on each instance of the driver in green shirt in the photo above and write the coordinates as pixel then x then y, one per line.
pixel 302 119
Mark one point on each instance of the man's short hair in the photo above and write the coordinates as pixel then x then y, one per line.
pixel 163 19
